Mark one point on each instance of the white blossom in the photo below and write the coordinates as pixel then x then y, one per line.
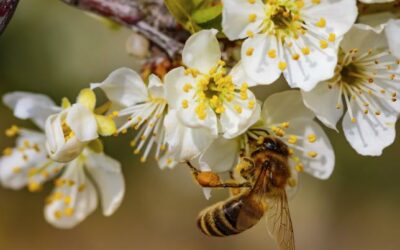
pixel 366 83
pixel 296 38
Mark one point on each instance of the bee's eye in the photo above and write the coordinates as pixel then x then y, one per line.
pixel 270 145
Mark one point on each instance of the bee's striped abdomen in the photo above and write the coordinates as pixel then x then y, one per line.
pixel 221 219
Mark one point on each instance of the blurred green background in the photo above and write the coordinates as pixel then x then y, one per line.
pixel 57 50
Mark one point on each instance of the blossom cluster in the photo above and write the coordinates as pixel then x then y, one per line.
pixel 206 109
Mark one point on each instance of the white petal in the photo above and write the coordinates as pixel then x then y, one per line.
pixel 156 87
pixel 81 196
pixel 392 33
pixel 308 70
pixel 257 64
pixel 59 149
pixel 283 107
pixel 376 1
pixel 107 175
pixel 29 153
pixel 124 87
pixel 202 51
pixel 323 101
pixel 83 122
pixel 220 156
pixel 359 34
pixel 320 165
pixel 185 143
pixel 235 18
pixel 31 106
pixel 339 15
pixel 174 82
pixel 239 75
pixel 189 118
pixel 369 135
pixel 234 123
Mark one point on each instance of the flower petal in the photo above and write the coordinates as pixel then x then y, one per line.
pixel 326 102
pixel 340 15
pixel 156 87
pixel 174 82
pixel 107 175
pixel 239 17
pixel 202 51
pixel 233 122
pixel 392 33
pixel 240 76
pixel 283 107
pixel 82 122
pixel 124 87
pixel 260 66
pixel 31 106
pixel 73 199
pixel 369 134
pixel 360 33
pixel 313 148
pixel 220 156
pixel 185 142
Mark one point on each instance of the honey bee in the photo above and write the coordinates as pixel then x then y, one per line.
pixel 265 173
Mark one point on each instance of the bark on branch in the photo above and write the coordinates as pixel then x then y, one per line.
pixel 147 17
pixel 7 8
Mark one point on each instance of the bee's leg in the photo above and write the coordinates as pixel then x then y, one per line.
pixel 212 180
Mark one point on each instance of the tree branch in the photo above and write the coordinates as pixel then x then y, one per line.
pixel 147 17
pixel 7 8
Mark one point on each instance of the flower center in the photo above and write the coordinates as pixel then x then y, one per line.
pixel 214 89
pixel 365 78
pixel 282 18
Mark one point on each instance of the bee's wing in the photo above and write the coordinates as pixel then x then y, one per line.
pixel 279 223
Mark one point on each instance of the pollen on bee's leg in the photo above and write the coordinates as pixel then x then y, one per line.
pixel 208 179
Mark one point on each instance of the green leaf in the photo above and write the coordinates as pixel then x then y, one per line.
pixel 181 10
pixel 206 14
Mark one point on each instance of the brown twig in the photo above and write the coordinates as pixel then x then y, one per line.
pixel 147 17
pixel 7 8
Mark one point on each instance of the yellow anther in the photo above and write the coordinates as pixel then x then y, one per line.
pixel 7 151
pixel 250 33
pixel 272 53
pixel 69 211
pixel 34 186
pixel 321 23
pixel 143 159
pixel 187 87
pixel 282 65
pixel 67 200
pixel 58 214
pixel 323 44
pixel 136 151
pixel 251 104
pixel 292 182
pixel 238 109
pixel 169 161
pixel 353 120
pixel 312 138
pixel 332 37
pixel 312 154
pixel 292 139
pixel 12 131
pixel 305 51
pixel 299 167
pixel 249 51
pixel 285 124
pixel 295 56
pixel 81 188
pixel 252 18
pixel 185 104
pixel 251 1
pixel 316 1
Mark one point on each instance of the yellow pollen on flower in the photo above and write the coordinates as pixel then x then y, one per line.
pixel 34 186
pixel 323 44
pixel 296 57
pixel 249 51
pixel 282 65
pixel 292 139
pixel 291 151
pixel 321 23
pixel 238 109
pixel 251 104
pixel 299 167
pixel 69 211
pixel 305 51
pixel 81 188
pixel 67 200
pixel 332 37
pixel 316 1
pixel 251 1
pixel 7 151
pixel 169 161
pixel 58 214
pixel 187 87
pixel 285 124
pixel 312 154
pixel 312 138
pixel 12 131
pixel 300 4
pixel 292 182
pixel 250 33
pixel 200 111
pixel 272 53
pixel 16 170
pixel 252 18
pixel 185 104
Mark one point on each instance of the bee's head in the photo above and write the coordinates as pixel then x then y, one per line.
pixel 273 144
